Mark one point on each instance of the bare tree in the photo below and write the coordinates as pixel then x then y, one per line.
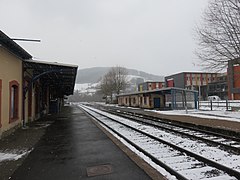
pixel 106 85
pixel 219 35
pixel 114 82
pixel 120 79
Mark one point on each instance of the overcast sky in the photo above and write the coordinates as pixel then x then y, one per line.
pixel 155 36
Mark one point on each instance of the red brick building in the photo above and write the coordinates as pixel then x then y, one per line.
pixel 234 79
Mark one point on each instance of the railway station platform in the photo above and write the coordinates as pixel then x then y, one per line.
pixel 74 147
pixel 209 121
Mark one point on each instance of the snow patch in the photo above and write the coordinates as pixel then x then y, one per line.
pixel 12 156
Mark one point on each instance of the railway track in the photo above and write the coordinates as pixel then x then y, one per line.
pixel 167 151
pixel 227 143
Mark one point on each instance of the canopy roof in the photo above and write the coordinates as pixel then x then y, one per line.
pixel 59 77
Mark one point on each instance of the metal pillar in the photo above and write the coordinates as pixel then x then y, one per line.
pixel 173 95
pixel 196 100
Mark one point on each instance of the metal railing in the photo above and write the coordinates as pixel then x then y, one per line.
pixel 229 105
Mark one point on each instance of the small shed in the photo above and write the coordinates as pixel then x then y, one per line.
pixel 163 99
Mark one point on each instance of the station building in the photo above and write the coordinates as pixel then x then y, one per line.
pixel 162 99
pixel 29 89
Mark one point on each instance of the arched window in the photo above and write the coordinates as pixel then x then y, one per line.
pixel 14 101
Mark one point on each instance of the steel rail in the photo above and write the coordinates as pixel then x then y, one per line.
pixel 229 147
pixel 228 170
pixel 180 124
pixel 154 159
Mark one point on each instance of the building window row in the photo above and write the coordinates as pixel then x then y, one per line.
pixel 198 78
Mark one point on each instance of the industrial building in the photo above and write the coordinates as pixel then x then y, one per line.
pixel 198 81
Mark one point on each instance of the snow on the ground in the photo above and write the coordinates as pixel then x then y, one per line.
pixel 86 88
pixel 213 153
pixel 81 86
pixel 140 154
pixel 8 156
pixel 130 77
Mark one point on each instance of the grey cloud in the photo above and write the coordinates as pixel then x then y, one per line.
pixel 151 35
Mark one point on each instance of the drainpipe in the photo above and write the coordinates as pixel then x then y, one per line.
pixel 23 97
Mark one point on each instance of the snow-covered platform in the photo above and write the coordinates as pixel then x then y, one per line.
pixel 226 120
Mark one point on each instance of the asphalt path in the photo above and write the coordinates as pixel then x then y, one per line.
pixel 73 148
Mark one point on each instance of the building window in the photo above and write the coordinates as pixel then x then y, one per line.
pixel 145 100
pixel 134 100
pixel 14 101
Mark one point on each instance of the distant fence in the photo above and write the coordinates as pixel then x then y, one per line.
pixel 229 105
